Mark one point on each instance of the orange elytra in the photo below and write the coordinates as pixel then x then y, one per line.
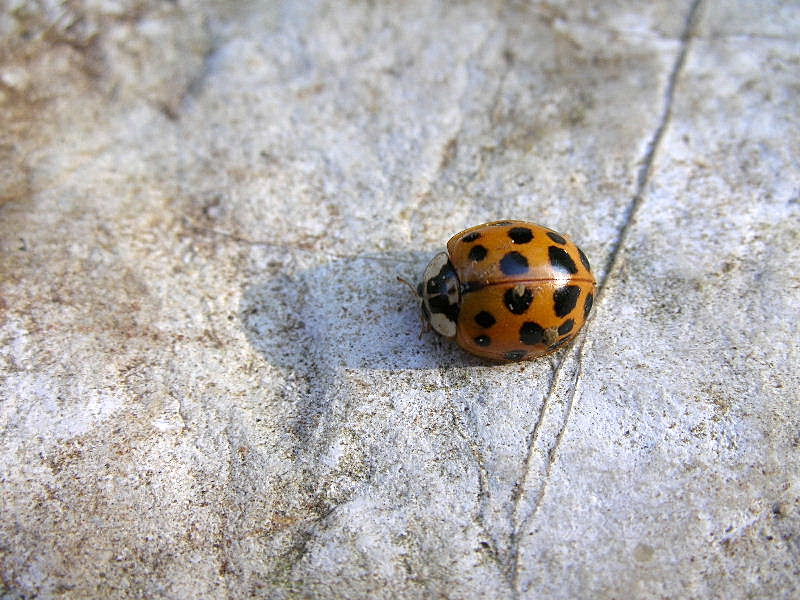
pixel 508 290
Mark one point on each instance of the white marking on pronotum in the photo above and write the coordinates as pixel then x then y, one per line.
pixel 443 325
pixel 440 322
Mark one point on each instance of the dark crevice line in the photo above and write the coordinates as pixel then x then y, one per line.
pixel 642 179
pixel 551 459
pixel 519 491
pixel 489 544
pixel 551 455
pixel 643 176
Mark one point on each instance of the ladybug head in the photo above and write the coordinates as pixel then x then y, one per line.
pixel 440 292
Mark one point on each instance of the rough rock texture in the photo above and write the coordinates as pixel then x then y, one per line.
pixel 213 386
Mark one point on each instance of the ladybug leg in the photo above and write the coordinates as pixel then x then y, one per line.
pixel 410 285
pixel 425 328
pixel 425 325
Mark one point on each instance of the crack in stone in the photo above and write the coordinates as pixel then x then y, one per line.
pixel 519 523
pixel 643 176
pixel 519 491
pixel 646 167
pixel 490 544
pixel 522 525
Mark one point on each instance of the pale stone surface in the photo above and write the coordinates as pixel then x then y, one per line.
pixel 213 385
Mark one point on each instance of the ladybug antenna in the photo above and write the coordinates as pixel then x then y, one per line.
pixel 409 284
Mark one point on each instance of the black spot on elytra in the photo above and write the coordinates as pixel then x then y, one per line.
pixel 483 340
pixel 514 263
pixel 515 355
pixel 584 260
pixel 472 286
pixel 478 253
pixel 587 306
pixel 561 261
pixel 558 239
pixel 565 298
pixel 531 333
pixel 471 237
pixel 485 319
pixel 566 327
pixel 520 235
pixel 516 302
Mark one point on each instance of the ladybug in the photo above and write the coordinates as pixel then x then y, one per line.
pixel 508 290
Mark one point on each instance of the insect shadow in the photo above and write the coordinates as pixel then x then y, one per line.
pixel 329 326
pixel 348 313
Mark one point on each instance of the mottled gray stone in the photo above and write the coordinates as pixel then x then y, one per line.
pixel 213 386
